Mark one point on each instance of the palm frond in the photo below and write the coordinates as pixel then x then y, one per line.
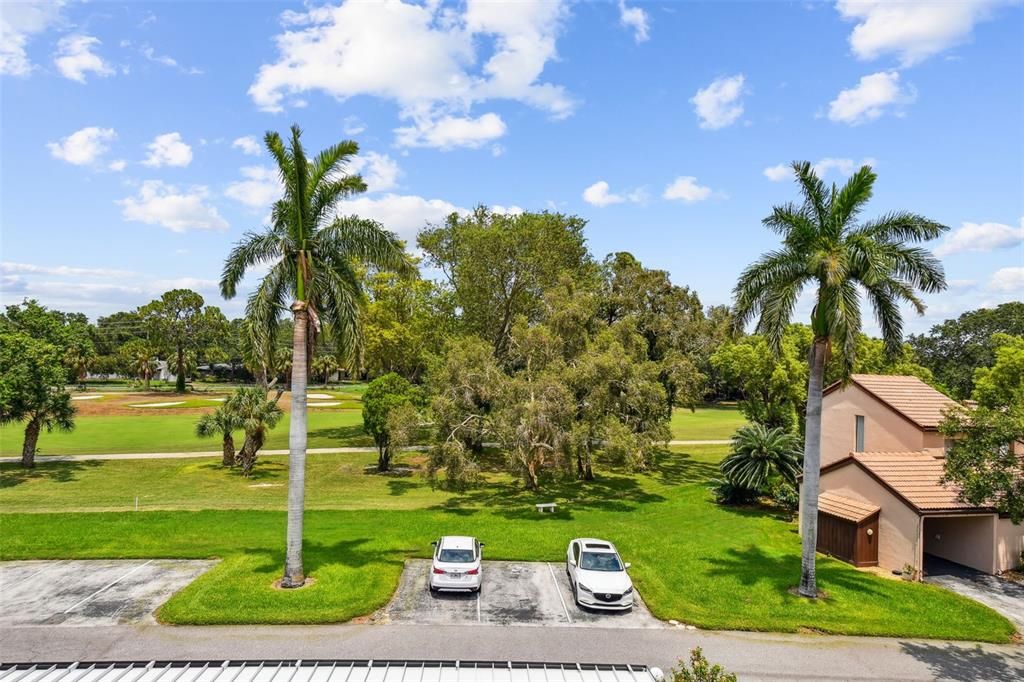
pixel 815 195
pixel 328 193
pixel 901 226
pixel 367 242
pixel 851 199
pixel 330 161
pixel 775 269
pixel 254 248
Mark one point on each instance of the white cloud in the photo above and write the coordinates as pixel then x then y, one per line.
pixel 449 132
pixel 117 165
pixel 870 98
pixel 19 21
pixel 981 237
pixel 158 203
pixel 636 19
pixel 379 171
pixel 778 173
pixel 685 188
pixel 403 214
pixel 10 268
pixel 507 210
pixel 260 188
pixel 718 105
pixel 248 144
pixel 598 194
pixel 351 125
pixel 168 150
pixel 426 58
pixel 75 58
pixel 83 147
pixel 912 30
pixel 1008 280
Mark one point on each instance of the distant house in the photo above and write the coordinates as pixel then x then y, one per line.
pixel 881 502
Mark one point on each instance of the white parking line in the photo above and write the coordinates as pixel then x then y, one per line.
pixel 107 586
pixel 558 589
pixel 48 566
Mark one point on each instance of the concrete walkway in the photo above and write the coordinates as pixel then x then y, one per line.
pixel 753 656
pixel 217 453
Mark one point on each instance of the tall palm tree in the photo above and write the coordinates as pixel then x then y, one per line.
pixel 314 259
pixel 825 247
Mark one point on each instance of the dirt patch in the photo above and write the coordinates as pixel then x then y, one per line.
pixel 310 581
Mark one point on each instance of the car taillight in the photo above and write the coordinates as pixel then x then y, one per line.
pixel 473 571
pixel 438 571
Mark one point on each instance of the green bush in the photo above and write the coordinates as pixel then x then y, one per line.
pixel 728 493
pixel 699 670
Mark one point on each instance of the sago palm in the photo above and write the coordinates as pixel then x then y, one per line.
pixel 825 247
pixel 758 452
pixel 314 257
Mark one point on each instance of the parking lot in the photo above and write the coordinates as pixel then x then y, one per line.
pixel 89 593
pixel 513 593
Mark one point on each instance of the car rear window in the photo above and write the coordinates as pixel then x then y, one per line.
pixel 456 556
pixel 600 561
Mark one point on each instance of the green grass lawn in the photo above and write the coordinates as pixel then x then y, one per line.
pixel 716 422
pixel 161 430
pixel 692 560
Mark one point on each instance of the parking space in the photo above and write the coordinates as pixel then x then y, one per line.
pixel 87 593
pixel 513 593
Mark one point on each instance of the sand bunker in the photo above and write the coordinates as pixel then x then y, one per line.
pixel 180 402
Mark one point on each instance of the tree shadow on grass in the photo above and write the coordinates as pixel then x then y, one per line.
pixel 679 468
pixel 752 566
pixel 264 469
pixel 953 662
pixel 400 487
pixel 341 436
pixel 607 492
pixel 53 471
pixel 317 555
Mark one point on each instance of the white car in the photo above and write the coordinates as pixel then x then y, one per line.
pixel 598 575
pixel 456 564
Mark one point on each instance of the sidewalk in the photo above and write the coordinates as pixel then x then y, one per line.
pixel 217 453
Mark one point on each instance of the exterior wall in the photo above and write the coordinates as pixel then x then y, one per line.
pixel 1009 543
pixel 898 528
pixel 884 429
pixel 967 540
pixel 934 443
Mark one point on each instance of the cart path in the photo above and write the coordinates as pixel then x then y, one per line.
pixel 218 453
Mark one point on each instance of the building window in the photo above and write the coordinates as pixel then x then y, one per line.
pixel 860 434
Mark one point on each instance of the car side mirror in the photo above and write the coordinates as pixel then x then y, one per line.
pixel 628 565
pixel 483 544
pixel 572 562
pixel 434 543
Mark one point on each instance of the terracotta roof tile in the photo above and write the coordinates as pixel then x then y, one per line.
pixel 908 395
pixel 844 507
pixel 915 476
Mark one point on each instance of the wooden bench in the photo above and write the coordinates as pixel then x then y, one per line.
pixel 546 507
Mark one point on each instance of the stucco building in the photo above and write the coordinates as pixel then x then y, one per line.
pixel 882 502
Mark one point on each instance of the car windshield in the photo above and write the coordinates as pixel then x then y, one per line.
pixel 456 556
pixel 600 561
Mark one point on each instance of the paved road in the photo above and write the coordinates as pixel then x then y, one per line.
pixel 754 656
pixel 217 453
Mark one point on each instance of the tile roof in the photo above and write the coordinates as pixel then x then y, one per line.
pixel 915 476
pixel 908 395
pixel 844 507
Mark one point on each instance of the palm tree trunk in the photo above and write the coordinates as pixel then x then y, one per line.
pixel 812 471
pixel 28 447
pixel 293 572
pixel 228 451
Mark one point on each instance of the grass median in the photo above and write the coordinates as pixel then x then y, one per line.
pixel 693 561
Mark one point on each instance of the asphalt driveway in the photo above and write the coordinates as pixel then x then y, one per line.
pixel 90 593
pixel 1003 596
pixel 513 593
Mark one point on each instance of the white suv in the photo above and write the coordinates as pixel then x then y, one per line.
pixel 598 575
pixel 456 564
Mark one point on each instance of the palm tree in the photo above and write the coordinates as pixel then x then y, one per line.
pixel 759 451
pixel 314 257
pixel 223 422
pixel 825 247
pixel 257 415
pixel 324 366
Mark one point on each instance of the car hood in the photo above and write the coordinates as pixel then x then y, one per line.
pixel 615 582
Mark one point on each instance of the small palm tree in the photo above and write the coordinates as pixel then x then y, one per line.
pixel 257 415
pixel 758 452
pixel 824 246
pixel 315 258
pixel 324 366
pixel 223 422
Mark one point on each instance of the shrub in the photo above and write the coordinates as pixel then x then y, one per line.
pixel 758 453
pixel 728 493
pixel 700 670
pixel 784 494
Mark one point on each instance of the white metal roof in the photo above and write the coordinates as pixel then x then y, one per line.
pixel 325 671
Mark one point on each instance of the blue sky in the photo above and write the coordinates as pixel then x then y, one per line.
pixel 127 129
